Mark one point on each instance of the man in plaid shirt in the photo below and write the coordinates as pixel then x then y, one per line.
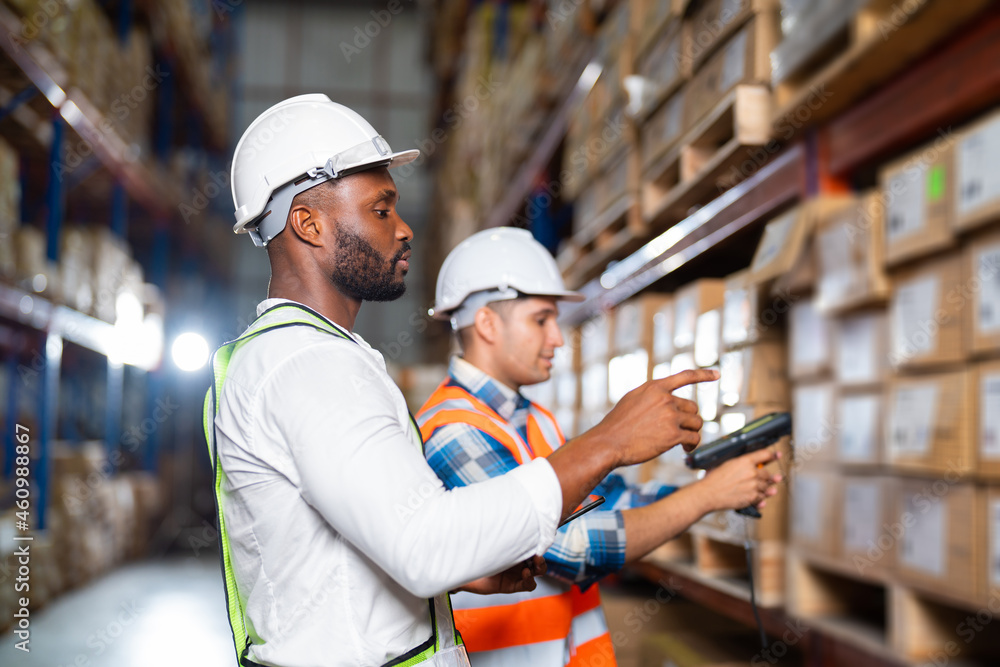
pixel 500 290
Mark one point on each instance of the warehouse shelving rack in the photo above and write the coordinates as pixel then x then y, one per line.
pixel 32 70
pixel 875 113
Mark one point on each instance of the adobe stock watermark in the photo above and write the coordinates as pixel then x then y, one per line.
pixel 363 35
pixel 898 17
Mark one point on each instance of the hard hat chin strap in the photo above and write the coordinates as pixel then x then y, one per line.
pixel 465 315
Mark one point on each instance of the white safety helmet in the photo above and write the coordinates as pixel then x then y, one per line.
pixel 495 265
pixel 294 146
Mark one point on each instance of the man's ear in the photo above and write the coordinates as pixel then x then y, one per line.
pixel 307 225
pixel 486 323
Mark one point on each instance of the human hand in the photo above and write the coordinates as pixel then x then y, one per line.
pixel 741 482
pixel 517 579
pixel 649 420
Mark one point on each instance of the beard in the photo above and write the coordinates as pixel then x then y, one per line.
pixel 360 272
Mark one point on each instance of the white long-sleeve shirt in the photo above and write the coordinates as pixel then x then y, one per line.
pixel 338 528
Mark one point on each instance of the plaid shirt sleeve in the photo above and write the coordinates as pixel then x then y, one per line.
pixel 586 548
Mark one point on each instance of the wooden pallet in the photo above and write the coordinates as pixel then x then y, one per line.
pixel 882 617
pixel 709 158
pixel 722 556
pixel 839 55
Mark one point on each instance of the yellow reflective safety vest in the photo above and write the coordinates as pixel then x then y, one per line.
pixel 444 648
pixel 557 624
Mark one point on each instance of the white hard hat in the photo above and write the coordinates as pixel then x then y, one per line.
pixel 495 265
pixel 294 146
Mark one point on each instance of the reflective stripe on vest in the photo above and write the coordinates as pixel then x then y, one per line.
pixel 556 624
pixel 444 647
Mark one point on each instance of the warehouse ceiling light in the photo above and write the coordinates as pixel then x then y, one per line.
pixel 189 351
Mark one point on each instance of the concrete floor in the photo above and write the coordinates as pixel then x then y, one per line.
pixel 148 614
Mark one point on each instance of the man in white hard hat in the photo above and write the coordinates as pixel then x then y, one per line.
pixel 339 543
pixel 500 289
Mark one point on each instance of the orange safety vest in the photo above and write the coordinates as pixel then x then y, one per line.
pixel 557 624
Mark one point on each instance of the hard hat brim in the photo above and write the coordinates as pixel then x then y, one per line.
pixel 566 295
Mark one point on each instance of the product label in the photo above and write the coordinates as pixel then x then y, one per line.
pixel 683 362
pixel 905 204
pixel 812 427
pixel 989 409
pixel 837 264
pixel 736 316
pixel 807 510
pixel 626 327
pixel 663 333
pixel 924 544
pixel 809 335
pixel 914 327
pixel 911 420
pixel 706 342
pixel 859 424
pixel 857 355
pixel 775 238
pixel 733 62
pixel 731 372
pixel 978 179
pixel 988 272
pixel 862 502
pixel 685 320
pixel 994 564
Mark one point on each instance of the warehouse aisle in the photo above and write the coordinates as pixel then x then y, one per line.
pixel 130 617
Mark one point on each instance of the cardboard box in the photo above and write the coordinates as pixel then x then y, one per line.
pixel 749 314
pixel 663 127
pixel 814 422
pixel 918 191
pixel 634 322
pixel 849 251
pixel 861 343
pixel 815 512
pixel 860 433
pixel 755 374
pixel 691 301
pixel 661 67
pixel 938 550
pixel 988 431
pixel 780 247
pixel 982 288
pixel 663 332
pixel 931 422
pixel 809 346
pixel 866 517
pixel 712 22
pixel 743 59
pixel 927 314
pixel 977 199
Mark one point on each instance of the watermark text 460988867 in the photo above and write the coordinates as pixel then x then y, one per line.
pixel 22 550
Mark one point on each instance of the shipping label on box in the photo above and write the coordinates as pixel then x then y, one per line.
pixel 988 464
pixel 814 515
pixel 849 251
pixel 931 423
pixel 683 362
pixel 708 332
pixel 814 424
pixel 918 191
pixel 594 387
pixel 863 503
pixel 691 301
pixel 927 314
pixel 627 327
pixel 861 349
pixel 781 245
pixel 860 435
pixel 595 339
pixel 978 198
pixel 983 289
pixel 626 372
pixel 924 544
pixel 809 341
pixel 663 333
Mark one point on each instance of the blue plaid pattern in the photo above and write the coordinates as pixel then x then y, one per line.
pixel 587 548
